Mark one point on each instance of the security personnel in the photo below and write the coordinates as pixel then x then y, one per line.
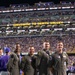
pixel 43 59
pixel 59 60
pixel 28 63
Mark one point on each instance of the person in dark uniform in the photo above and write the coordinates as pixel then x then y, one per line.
pixel 59 60
pixel 28 63
pixel 18 53
pixel 15 59
pixel 12 65
pixel 43 58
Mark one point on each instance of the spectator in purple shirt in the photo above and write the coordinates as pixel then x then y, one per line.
pixel 4 60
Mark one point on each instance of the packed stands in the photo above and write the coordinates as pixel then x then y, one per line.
pixel 43 18
pixel 32 25
pixel 69 42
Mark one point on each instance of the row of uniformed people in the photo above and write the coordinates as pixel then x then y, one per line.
pixel 45 62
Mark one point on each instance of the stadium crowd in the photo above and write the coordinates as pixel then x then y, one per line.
pixel 38 16
pixel 36 41
pixel 64 14
pixel 30 42
pixel 69 43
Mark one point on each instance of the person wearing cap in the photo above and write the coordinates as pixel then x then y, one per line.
pixel 4 60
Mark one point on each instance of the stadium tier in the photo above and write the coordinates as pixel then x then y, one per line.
pixel 32 25
pixel 40 19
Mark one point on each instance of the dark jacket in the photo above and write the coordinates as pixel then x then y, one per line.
pixel 13 65
pixel 59 63
pixel 28 65
pixel 42 62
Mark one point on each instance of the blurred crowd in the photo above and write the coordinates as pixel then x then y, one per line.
pixel 69 44
pixel 36 41
pixel 50 15
pixel 38 16
pixel 52 12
